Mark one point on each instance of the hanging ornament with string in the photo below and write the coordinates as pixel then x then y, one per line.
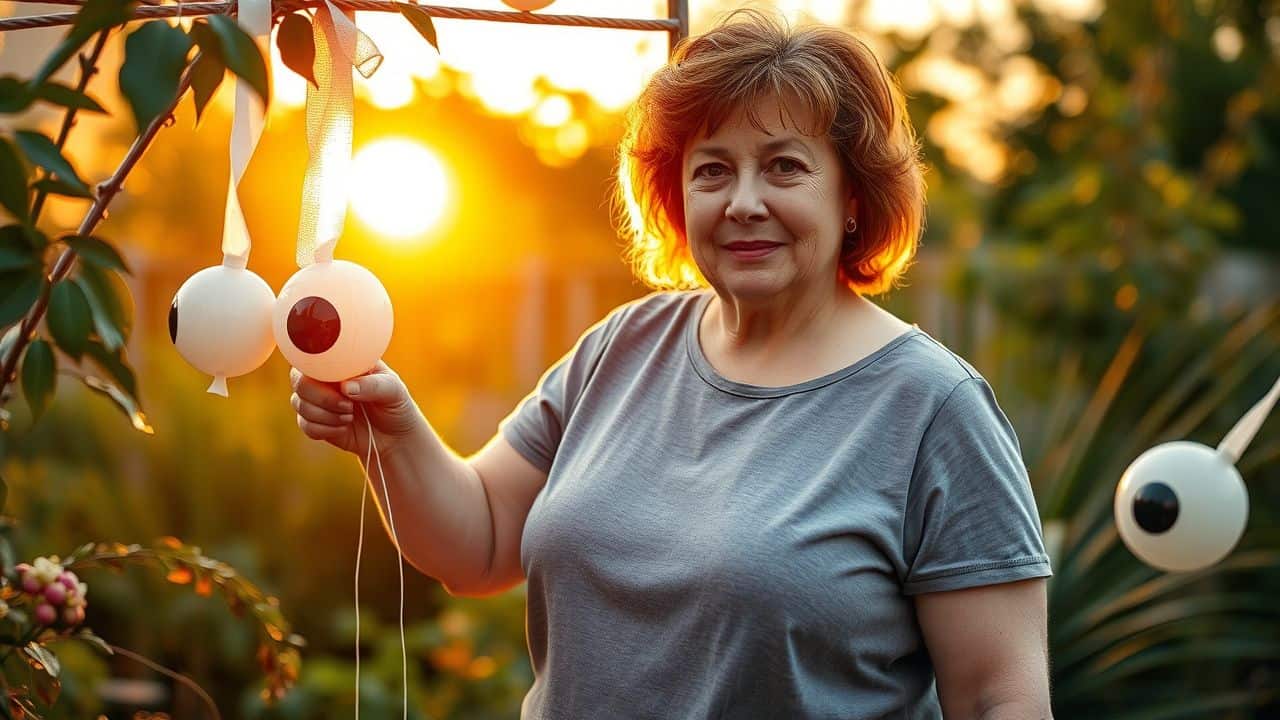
pixel 220 319
pixel 333 318
pixel 1182 506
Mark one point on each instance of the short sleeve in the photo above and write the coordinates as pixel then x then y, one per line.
pixel 971 518
pixel 536 425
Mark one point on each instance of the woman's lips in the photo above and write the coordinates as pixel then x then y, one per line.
pixel 751 250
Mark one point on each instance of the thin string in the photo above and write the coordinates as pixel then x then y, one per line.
pixel 395 539
pixel 364 494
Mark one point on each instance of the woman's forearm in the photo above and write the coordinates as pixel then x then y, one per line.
pixel 438 505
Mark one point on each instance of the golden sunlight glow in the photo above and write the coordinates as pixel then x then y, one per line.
pixel 539 74
pixel 399 187
pixel 518 70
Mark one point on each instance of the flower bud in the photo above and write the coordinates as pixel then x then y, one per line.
pixel 31 584
pixel 47 570
pixel 68 580
pixel 73 616
pixel 55 593
pixel 45 614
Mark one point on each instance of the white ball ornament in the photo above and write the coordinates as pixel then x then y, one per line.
pixel 333 320
pixel 220 322
pixel 527 5
pixel 1181 506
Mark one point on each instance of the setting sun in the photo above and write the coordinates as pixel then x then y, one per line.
pixel 399 187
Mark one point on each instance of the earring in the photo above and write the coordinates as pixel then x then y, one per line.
pixel 850 225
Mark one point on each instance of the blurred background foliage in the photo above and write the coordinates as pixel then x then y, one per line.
pixel 1101 245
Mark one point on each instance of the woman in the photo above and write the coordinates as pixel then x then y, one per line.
pixel 765 497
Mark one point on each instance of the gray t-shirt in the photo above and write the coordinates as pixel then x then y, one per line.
pixel 709 549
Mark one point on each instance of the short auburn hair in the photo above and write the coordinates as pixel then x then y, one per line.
pixel 750 57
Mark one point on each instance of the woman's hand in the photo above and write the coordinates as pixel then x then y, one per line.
pixel 335 412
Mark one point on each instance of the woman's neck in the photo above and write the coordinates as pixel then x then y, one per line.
pixel 765 327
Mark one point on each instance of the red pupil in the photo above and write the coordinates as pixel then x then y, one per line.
pixel 313 325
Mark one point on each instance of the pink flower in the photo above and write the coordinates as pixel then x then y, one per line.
pixel 31 583
pixel 68 580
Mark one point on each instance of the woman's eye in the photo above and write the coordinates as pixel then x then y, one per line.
pixel 787 166
pixel 710 170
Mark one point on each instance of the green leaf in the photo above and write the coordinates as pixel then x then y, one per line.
pixel 111 302
pixel 114 364
pixel 97 251
pixel 15 96
pixel 297 45
pixel 54 186
pixel 67 97
pixel 41 151
pixel 206 40
pixel 206 76
pixel 39 376
pixel 420 21
pixel 154 57
pixel 1199 706
pixel 13 181
pixel 69 317
pixel 47 685
pixel 123 400
pixel 78 553
pixel 45 657
pixel 18 292
pixel 7 560
pixel 94 16
pixel 241 55
pixel 87 635
pixel 15 252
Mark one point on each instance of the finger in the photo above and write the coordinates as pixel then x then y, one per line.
pixel 380 388
pixel 323 395
pixel 317 431
pixel 318 414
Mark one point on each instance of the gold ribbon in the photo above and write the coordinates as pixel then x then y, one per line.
pixel 340 46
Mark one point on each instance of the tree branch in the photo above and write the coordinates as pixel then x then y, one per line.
pixel 106 192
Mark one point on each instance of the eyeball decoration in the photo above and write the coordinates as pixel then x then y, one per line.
pixel 220 322
pixel 333 320
pixel 1182 506
pixel 220 319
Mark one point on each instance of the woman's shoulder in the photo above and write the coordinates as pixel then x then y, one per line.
pixel 655 311
pixel 928 366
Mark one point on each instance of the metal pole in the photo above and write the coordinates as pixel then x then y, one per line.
pixel 677 10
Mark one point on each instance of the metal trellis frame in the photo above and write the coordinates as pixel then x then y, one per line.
pixel 676 24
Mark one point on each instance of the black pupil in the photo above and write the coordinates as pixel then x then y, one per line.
pixel 313 325
pixel 173 322
pixel 1155 507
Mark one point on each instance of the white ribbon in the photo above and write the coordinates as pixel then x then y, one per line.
pixel 254 17
pixel 325 188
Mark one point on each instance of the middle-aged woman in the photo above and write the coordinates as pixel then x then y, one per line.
pixel 761 496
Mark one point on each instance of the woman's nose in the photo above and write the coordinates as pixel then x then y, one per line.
pixel 746 202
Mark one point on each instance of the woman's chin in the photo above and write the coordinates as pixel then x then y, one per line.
pixel 753 285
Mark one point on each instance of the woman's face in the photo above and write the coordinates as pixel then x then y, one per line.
pixel 765 210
